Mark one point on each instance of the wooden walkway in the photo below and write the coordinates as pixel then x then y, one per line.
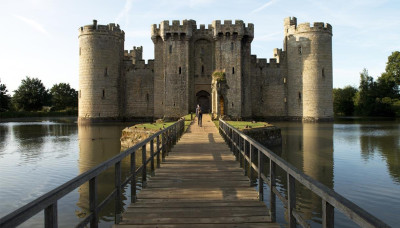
pixel 199 185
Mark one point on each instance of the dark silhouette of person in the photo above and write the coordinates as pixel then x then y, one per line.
pixel 199 114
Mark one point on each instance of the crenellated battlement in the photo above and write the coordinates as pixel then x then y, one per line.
pixel 167 30
pixel 291 26
pixel 229 29
pixel 110 29
pixel 262 62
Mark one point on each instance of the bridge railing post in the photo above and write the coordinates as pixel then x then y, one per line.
pixel 152 156
pixel 251 153
pixel 93 202
pixel 272 197
pixel 50 216
pixel 244 146
pixel 291 192
pixel 238 149
pixel 328 215
pixel 133 180
pixel 158 151
pixel 260 179
pixel 118 193
pixel 144 168
pixel 164 145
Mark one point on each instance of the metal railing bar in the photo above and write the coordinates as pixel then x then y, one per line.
pixel 84 222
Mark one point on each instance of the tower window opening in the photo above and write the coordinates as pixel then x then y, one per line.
pixel 170 49
pixel 79 50
pixel 299 95
pixel 233 70
pixel 232 46
pixel 147 97
pixel 323 72
pixel 106 71
pixel 104 94
pixel 232 104
pixel 202 68
pixel 300 49
pixel 180 70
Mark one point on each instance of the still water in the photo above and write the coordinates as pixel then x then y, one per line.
pixel 360 160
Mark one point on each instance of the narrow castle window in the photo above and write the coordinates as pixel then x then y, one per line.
pixel 300 50
pixel 180 70
pixel 299 95
pixel 106 71
pixel 232 46
pixel 323 72
pixel 233 70
pixel 147 97
pixel 79 50
pixel 170 49
pixel 104 94
pixel 284 80
pixel 202 68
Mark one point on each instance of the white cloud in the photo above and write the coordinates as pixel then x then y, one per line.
pixel 33 24
pixel 124 12
pixel 264 6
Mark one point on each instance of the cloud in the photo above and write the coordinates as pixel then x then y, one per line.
pixel 264 6
pixel 269 37
pixel 125 11
pixel 33 24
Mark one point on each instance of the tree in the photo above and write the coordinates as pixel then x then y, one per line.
pixel 4 98
pixel 393 66
pixel 63 96
pixel 31 94
pixel 343 100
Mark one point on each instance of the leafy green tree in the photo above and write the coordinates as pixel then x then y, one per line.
pixel 343 100
pixel 393 66
pixel 63 96
pixel 4 98
pixel 31 95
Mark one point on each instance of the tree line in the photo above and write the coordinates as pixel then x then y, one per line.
pixel 32 95
pixel 372 98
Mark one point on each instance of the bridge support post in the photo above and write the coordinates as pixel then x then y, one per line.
pixel 291 200
pixel 152 156
pixel 118 194
pixel 50 216
pixel 272 197
pixel 144 170
pixel 328 215
pixel 158 151
pixel 260 179
pixel 93 202
pixel 133 180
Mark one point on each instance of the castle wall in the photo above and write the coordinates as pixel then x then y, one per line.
pixel 268 88
pixel 101 50
pixel 140 90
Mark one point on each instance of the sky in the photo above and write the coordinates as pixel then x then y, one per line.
pixel 39 38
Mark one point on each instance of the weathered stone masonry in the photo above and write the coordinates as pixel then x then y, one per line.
pixel 117 84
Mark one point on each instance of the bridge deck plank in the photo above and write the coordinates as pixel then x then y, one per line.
pixel 200 185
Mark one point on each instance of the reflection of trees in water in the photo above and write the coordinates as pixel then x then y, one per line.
pixel 98 143
pixel 3 135
pixel 385 140
pixel 309 147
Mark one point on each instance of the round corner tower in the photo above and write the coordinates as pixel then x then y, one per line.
pixel 309 51
pixel 101 50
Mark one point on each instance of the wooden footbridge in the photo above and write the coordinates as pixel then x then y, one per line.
pixel 199 184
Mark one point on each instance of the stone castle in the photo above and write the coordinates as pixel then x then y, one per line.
pixel 115 84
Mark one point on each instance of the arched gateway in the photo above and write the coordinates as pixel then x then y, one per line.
pixel 204 100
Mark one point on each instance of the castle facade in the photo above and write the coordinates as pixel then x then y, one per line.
pixel 115 84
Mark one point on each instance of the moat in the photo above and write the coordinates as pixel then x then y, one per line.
pixel 360 160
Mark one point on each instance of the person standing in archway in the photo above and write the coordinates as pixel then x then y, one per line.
pixel 199 114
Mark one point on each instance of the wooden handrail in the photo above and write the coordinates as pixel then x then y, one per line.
pixel 329 198
pixel 48 201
